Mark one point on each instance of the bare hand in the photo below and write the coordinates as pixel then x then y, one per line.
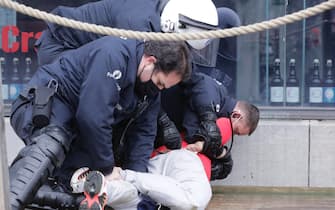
pixel 196 147
pixel 224 152
pixel 115 175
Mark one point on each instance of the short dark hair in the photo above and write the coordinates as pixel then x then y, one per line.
pixel 170 55
pixel 251 115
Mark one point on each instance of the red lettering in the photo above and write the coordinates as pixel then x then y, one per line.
pixel 5 39
pixel 12 31
pixel 25 36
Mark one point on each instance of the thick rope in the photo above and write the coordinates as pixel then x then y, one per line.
pixel 252 28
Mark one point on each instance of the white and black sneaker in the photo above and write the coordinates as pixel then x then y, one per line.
pixel 78 179
pixel 94 191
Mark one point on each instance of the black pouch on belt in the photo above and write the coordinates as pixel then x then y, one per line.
pixel 42 105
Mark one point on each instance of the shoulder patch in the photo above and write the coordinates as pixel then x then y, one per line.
pixel 116 74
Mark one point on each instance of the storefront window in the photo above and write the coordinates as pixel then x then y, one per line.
pixel 285 68
pixel 290 67
pixel 18 35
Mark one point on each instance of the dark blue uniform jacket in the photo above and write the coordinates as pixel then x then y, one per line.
pixel 145 16
pixel 96 84
pixel 201 93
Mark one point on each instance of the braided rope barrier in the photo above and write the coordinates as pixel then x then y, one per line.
pixel 222 33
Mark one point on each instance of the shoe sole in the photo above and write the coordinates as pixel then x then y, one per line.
pixel 92 187
pixel 85 206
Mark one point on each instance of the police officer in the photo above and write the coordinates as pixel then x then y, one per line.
pixel 212 56
pixel 146 15
pixel 201 101
pixel 73 105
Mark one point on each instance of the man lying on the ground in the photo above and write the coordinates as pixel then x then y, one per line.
pixel 177 179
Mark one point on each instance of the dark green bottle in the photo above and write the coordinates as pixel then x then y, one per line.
pixel 315 88
pixel 276 86
pixel 292 85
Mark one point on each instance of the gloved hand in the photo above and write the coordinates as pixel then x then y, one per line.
pixel 210 134
pixel 168 133
pixel 222 167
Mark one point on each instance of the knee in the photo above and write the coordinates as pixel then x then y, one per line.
pixel 204 196
pixel 53 142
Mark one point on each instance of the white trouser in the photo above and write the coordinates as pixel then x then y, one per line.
pixel 122 195
pixel 176 179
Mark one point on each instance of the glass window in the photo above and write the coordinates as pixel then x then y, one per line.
pixel 18 35
pixel 288 71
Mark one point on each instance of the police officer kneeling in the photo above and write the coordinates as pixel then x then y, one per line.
pixel 74 106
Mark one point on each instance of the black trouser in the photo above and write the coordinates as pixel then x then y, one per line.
pixel 45 150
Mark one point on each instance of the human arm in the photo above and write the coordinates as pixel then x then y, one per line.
pixel 98 97
pixel 222 167
pixel 167 132
pixel 107 13
pixel 94 12
pixel 140 137
pixel 198 147
pixel 207 101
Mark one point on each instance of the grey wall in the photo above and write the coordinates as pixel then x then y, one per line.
pixel 284 153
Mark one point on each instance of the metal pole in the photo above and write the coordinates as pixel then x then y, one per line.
pixel 4 181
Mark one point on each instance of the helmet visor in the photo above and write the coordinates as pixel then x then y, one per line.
pixel 207 55
pixel 184 20
pixel 204 51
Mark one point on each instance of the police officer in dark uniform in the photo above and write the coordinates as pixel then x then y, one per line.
pixel 202 100
pixel 147 15
pixel 212 57
pixel 57 39
pixel 71 107
pixel 153 16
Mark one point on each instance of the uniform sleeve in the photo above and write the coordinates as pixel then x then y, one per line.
pixel 94 12
pixel 205 94
pixel 112 13
pixel 191 125
pixel 140 138
pixel 97 98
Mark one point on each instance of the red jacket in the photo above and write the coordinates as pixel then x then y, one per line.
pixel 226 133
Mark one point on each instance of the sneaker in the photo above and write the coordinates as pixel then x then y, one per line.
pixel 94 191
pixel 78 179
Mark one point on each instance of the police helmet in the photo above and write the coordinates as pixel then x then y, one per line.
pixel 180 16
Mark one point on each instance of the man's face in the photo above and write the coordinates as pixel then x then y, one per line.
pixel 159 78
pixel 240 127
pixel 162 80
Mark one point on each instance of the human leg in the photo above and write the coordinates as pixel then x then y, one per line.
pixel 176 179
pixel 122 195
pixel 117 193
pixel 35 163
pixel 44 151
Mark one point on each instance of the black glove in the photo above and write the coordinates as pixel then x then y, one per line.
pixel 210 134
pixel 222 167
pixel 168 134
